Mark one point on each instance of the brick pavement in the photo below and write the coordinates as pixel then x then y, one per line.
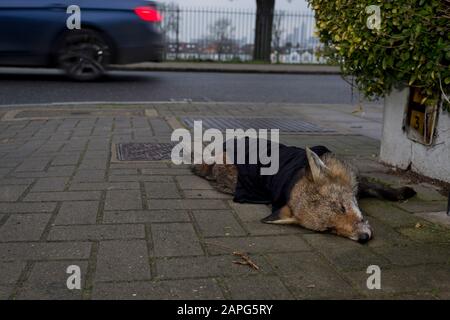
pixel 151 230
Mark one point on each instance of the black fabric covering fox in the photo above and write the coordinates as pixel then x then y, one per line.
pixel 252 187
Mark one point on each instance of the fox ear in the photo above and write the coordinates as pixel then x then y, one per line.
pixel 316 165
pixel 281 216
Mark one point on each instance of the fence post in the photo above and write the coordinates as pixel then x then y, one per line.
pixel 177 40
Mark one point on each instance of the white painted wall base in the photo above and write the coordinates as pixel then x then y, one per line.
pixel 399 151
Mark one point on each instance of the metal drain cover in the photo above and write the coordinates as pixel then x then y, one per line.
pixel 144 151
pixel 284 125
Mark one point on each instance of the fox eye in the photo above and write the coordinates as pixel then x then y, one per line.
pixel 342 209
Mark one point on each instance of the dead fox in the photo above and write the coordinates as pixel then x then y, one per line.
pixel 323 195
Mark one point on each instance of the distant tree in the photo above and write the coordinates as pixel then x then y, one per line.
pixel 221 33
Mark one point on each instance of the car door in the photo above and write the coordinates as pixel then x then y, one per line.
pixel 28 29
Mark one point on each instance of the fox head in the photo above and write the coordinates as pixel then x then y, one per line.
pixel 325 200
pixel 329 202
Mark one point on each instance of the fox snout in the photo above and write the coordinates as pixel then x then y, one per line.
pixel 364 232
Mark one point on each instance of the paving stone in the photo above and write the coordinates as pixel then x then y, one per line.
pixel 123 200
pixel 175 239
pixel 189 289
pixel 27 207
pixel 404 280
pixel 92 155
pixel 60 171
pixel 10 271
pixel 388 179
pixel 89 176
pixel 77 212
pixel 385 235
pixel 169 171
pixel 37 174
pixel 162 191
pixel 414 296
pixel 34 164
pixel 4 172
pixel 250 212
pixel 427 232
pixel 257 288
pixel 370 166
pixel 50 184
pixel 97 232
pixel 217 223
pixel 344 253
pixel 6 291
pixel 414 254
pixel 205 194
pixel 44 250
pixel 63 196
pixel 139 165
pixel 194 183
pixel 10 162
pixel 66 159
pixel 186 204
pixel 94 164
pixel 48 281
pixel 160 126
pixel 427 193
pixel 162 179
pixel 75 145
pixel 122 261
pixel 308 275
pixel 89 186
pixel 206 267
pixel 258 228
pixel 267 244
pixel 148 216
pixel 124 172
pixel 443 295
pixel 24 227
pixel 416 206
pixel 16 181
pixel 440 218
pixel 387 213
pixel 11 193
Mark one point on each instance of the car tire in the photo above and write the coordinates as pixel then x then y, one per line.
pixel 84 55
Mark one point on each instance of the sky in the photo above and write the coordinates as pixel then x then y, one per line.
pixel 290 5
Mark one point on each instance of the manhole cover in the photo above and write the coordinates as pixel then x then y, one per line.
pixel 144 151
pixel 284 125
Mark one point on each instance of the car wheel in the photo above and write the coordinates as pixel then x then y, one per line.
pixel 84 55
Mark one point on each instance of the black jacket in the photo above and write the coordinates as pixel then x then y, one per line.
pixel 252 187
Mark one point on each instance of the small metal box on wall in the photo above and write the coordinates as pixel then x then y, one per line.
pixel 420 119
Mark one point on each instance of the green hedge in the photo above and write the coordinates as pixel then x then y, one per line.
pixel 412 46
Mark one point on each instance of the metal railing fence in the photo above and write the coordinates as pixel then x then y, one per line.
pixel 210 34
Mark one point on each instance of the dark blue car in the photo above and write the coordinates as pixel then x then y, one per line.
pixel 37 33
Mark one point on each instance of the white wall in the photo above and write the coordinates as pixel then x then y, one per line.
pixel 397 150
